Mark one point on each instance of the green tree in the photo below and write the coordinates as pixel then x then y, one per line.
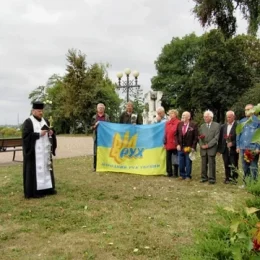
pixel 38 94
pixel 85 87
pixel 103 90
pixel 175 67
pixel 76 93
pixel 221 75
pixel 74 97
pixel 251 96
pixel 222 14
pixel 207 72
pixel 138 101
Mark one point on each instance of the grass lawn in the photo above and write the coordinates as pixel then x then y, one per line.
pixel 109 215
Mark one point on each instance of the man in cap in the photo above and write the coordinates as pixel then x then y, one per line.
pixel 39 143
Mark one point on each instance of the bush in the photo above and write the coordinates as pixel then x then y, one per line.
pixel 6 132
pixel 236 236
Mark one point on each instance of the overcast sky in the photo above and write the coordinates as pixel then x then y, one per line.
pixel 36 35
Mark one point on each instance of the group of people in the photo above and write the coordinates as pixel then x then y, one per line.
pixel 182 136
pixel 180 141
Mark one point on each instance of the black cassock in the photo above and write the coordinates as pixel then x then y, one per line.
pixel 29 162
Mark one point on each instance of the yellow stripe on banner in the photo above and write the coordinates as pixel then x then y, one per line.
pixel 152 162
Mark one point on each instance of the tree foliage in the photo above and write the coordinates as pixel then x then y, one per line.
pixel 207 72
pixel 221 74
pixel 175 67
pixel 75 95
pixel 222 14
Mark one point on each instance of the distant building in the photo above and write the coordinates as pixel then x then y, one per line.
pixel 152 100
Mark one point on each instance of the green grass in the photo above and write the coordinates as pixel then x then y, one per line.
pixel 108 215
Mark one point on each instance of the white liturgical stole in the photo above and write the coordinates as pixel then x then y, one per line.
pixel 42 156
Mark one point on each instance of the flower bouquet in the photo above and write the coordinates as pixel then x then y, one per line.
pixel 228 140
pixel 202 139
pixel 187 149
pixel 249 156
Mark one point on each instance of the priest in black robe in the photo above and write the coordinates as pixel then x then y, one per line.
pixel 39 144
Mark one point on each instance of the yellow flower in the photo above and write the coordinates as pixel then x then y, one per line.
pixel 187 149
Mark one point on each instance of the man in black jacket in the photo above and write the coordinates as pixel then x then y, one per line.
pixel 129 117
pixel 227 147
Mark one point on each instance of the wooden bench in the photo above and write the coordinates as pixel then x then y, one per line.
pixel 11 145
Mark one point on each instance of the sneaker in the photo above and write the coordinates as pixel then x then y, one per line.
pixel 212 182
pixel 203 180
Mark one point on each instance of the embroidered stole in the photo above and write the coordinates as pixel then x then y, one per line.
pixel 42 156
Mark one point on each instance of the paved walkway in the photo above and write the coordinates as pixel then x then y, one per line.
pixel 67 147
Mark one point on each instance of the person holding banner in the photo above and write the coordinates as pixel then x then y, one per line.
pixel 129 117
pixel 170 144
pixel 99 116
pixel 186 140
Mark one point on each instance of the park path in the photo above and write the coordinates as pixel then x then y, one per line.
pixel 67 147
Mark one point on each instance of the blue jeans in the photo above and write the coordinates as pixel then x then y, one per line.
pixel 250 169
pixel 185 165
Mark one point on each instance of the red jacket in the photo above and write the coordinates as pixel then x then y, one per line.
pixel 170 132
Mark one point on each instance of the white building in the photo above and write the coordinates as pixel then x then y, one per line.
pixel 152 100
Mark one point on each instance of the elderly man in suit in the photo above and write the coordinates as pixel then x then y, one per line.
pixel 227 147
pixel 208 140
pixel 186 140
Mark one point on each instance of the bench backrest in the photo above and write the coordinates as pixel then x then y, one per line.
pixel 14 142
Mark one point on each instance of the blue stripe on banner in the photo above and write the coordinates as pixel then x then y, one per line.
pixel 149 136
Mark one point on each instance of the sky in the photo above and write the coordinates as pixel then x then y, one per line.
pixel 37 34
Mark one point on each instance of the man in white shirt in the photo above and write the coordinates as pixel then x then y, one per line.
pixel 227 147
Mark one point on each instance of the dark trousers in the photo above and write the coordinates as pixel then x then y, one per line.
pixel 185 165
pixel 95 162
pixel 231 164
pixel 169 154
pixel 208 163
pixel 95 155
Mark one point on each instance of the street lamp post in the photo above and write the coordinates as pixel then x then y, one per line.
pixel 128 84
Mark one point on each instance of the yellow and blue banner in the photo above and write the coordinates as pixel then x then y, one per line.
pixel 129 148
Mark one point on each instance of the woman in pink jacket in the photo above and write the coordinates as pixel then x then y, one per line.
pixel 170 144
